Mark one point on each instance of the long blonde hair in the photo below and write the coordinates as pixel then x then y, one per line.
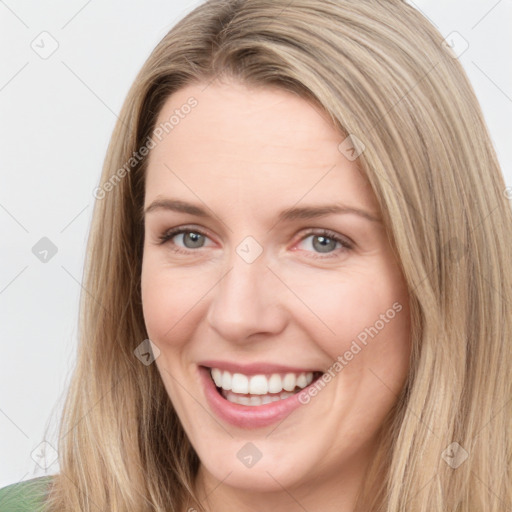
pixel 382 74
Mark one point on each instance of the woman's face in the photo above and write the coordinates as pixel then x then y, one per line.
pixel 278 269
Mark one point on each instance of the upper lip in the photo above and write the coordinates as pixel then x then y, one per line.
pixel 255 368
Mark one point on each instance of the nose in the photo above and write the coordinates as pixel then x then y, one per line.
pixel 246 302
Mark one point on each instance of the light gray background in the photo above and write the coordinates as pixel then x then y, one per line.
pixel 57 115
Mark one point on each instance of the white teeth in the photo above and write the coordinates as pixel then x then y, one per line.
pixel 302 382
pixel 239 383
pixel 243 400
pixel 289 382
pixel 260 384
pixel 226 381
pixel 275 384
pixel 254 400
pixel 217 377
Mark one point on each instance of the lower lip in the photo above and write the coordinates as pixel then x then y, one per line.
pixel 245 416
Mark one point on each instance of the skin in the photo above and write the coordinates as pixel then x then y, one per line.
pixel 246 155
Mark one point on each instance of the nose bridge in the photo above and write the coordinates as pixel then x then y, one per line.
pixel 243 301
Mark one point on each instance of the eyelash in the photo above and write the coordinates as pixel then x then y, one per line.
pixel 345 245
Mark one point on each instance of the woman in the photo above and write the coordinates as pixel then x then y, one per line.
pixel 302 210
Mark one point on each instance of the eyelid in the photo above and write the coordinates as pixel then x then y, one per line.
pixel 328 233
pixel 172 232
pixel 346 243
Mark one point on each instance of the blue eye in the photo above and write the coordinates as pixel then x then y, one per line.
pixel 192 240
pixel 186 238
pixel 324 242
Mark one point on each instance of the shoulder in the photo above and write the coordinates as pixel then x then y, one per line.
pixel 27 496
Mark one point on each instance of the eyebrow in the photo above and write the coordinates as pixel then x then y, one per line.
pixel 290 214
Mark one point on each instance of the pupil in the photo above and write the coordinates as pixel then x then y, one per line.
pixel 324 244
pixel 193 240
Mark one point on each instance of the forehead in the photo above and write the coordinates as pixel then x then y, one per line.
pixel 252 143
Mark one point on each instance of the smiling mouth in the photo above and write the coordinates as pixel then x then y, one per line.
pixel 260 389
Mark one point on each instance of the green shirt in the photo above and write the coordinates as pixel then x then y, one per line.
pixel 27 496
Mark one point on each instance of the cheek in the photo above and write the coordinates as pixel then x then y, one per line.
pixel 361 315
pixel 347 301
pixel 367 344
pixel 171 300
